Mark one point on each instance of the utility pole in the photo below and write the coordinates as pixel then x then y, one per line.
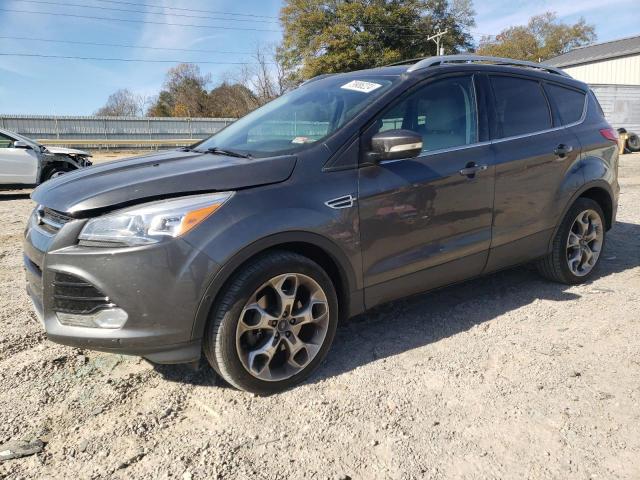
pixel 436 39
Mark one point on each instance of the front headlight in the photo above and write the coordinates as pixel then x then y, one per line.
pixel 153 222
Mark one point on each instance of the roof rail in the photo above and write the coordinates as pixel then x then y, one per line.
pixel 440 60
pixel 408 61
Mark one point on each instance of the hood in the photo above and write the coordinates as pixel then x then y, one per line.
pixel 67 151
pixel 166 174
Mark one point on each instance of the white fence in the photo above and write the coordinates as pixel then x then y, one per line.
pixel 109 131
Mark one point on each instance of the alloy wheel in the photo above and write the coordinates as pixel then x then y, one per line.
pixel 584 243
pixel 282 327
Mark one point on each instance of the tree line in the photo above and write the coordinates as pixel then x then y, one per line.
pixel 338 36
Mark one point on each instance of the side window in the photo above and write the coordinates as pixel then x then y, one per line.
pixel 5 142
pixel 570 103
pixel 521 106
pixel 443 112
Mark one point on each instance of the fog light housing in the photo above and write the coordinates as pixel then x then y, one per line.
pixel 108 318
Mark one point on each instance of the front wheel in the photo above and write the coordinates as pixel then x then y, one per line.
pixel 55 171
pixel 274 323
pixel 577 246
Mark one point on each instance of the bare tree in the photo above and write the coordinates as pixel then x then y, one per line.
pixel 123 103
pixel 266 77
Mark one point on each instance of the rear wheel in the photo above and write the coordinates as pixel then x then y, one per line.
pixel 578 244
pixel 274 324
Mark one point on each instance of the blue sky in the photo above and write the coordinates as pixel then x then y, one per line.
pixel 79 87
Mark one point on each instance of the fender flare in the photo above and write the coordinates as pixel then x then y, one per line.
pixel 354 300
pixel 63 160
pixel 577 194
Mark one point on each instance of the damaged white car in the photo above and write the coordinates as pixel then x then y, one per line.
pixel 26 163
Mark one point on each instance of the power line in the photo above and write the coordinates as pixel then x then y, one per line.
pixel 97 44
pixel 132 60
pixel 219 12
pixel 128 10
pixel 150 22
pixel 62 4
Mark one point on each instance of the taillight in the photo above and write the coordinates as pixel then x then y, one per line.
pixel 609 134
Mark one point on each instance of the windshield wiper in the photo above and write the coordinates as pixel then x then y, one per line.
pixel 229 153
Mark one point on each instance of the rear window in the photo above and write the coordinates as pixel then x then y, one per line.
pixel 569 102
pixel 521 106
pixel 595 100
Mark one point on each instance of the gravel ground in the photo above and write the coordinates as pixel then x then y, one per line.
pixel 505 376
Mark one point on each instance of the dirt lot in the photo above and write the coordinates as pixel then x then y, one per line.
pixel 508 376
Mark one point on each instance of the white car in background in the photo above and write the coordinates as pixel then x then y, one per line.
pixel 26 163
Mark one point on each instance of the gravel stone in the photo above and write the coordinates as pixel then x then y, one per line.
pixel 474 380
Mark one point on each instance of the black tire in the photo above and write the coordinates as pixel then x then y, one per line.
pixel 633 143
pixel 54 171
pixel 555 266
pixel 219 343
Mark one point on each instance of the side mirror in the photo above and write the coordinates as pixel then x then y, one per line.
pixel 21 144
pixel 395 144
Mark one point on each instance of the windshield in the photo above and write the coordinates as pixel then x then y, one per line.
pixel 299 118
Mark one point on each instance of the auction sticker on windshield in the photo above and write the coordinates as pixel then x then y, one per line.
pixel 361 86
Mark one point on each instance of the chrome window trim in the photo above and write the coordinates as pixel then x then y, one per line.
pixel 438 152
pixel 505 139
pixel 548 130
pixel 497 140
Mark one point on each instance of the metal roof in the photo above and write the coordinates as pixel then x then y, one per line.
pixel 596 52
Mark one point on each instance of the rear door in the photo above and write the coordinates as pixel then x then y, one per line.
pixel 423 223
pixel 532 154
pixel 17 165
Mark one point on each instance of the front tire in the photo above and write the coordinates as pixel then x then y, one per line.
pixel 577 245
pixel 274 323
pixel 55 171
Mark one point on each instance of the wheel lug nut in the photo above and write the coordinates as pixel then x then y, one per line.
pixel 288 334
pixel 273 323
pixel 292 321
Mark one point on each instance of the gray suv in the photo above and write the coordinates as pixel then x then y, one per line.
pixel 352 190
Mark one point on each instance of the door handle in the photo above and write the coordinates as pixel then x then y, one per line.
pixel 563 150
pixel 471 169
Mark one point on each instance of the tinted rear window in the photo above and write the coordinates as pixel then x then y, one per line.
pixel 521 106
pixel 570 103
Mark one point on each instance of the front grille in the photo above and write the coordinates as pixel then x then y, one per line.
pixel 75 295
pixel 51 221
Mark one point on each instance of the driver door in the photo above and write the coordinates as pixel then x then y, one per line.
pixel 17 165
pixel 425 222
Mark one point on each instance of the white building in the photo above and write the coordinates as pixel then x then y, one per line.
pixel 612 69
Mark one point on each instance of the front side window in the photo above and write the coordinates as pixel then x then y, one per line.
pixel 443 112
pixel 521 106
pixel 5 142
pixel 569 102
pixel 301 117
